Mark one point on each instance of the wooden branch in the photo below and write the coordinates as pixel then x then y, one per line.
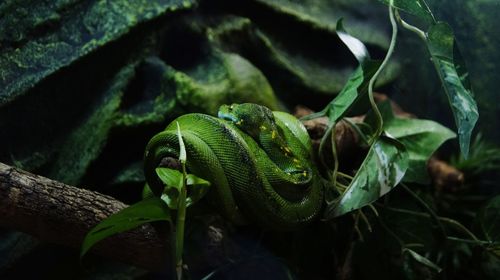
pixel 63 214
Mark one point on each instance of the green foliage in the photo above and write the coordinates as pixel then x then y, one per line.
pixel 484 157
pixel 449 66
pixel 172 179
pixel 387 160
pixel 355 87
pixel 489 222
pixel 146 211
pixel 357 83
pixel 417 8
pixel 421 139
pixel 440 42
pixel 382 169
pixel 421 259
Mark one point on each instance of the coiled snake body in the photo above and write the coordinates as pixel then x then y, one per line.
pixel 259 162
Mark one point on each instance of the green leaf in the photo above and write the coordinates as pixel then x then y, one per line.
pixel 382 169
pixel 357 83
pixel 197 187
pixel 355 87
pixel 173 183
pixel 182 147
pixel 417 8
pixel 421 259
pixel 357 48
pixel 145 211
pixel 440 41
pixel 420 137
pixel 170 177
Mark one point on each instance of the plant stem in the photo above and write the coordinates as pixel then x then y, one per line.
pixel 410 27
pixel 181 219
pixel 431 212
pixel 391 233
pixel 322 147
pixel 392 45
pixel 334 154
pixel 347 176
pixel 358 131
pixel 455 223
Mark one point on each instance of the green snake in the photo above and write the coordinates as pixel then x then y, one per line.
pixel 258 160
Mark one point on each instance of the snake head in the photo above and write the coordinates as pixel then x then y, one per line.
pixel 248 117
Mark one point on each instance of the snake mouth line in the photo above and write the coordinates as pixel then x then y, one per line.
pixel 227 117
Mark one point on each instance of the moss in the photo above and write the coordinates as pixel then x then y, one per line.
pixel 40 37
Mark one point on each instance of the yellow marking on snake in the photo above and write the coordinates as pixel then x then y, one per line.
pixel 273 134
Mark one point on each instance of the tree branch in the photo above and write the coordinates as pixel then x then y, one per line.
pixel 63 214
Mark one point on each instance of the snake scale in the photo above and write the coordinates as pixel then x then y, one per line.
pixel 259 161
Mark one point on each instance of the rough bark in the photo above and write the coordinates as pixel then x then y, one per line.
pixel 63 214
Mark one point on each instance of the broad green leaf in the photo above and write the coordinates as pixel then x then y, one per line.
pixel 382 169
pixel 355 88
pixel 421 259
pixel 197 187
pixel 420 137
pixel 357 48
pixel 173 184
pixel 146 211
pixel 417 8
pixel 170 177
pixel 440 41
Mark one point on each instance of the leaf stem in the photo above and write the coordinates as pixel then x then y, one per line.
pixel 388 55
pixel 335 156
pixel 365 219
pixel 322 147
pixel 347 176
pixel 394 235
pixel 410 27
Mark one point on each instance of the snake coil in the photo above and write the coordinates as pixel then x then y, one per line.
pixel 258 161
